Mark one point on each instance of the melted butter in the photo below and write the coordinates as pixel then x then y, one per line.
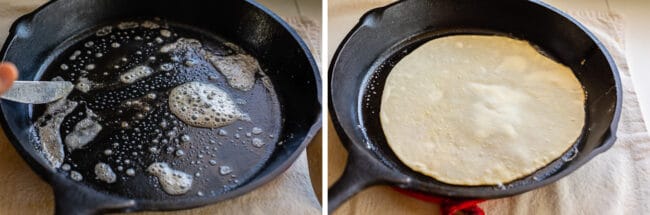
pixel 49 131
pixel 239 69
pixel 84 131
pixel 105 173
pixel 203 105
pixel 173 182
pixel 136 74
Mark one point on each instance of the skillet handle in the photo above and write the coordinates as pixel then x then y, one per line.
pixel 350 183
pixel 360 172
pixel 75 199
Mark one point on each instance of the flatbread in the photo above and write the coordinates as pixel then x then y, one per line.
pixel 480 110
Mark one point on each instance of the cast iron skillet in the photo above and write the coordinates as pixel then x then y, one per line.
pixel 384 35
pixel 42 37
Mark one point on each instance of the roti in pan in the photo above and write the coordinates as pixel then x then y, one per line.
pixel 480 110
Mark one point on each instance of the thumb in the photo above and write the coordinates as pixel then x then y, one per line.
pixel 8 74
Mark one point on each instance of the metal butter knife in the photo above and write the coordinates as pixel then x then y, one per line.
pixel 37 92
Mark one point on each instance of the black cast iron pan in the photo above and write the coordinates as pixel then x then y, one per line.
pixel 384 35
pixel 70 38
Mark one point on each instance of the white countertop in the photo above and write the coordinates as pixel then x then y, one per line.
pixel 636 15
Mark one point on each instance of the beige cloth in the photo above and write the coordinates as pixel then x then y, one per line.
pixel 615 182
pixel 23 192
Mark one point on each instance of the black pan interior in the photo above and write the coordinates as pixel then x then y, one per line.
pixel 157 135
pixel 290 113
pixel 388 34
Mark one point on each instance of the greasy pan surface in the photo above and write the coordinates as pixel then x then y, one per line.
pixel 289 112
pixel 385 35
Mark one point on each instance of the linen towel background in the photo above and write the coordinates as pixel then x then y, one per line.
pixel 615 182
pixel 23 192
